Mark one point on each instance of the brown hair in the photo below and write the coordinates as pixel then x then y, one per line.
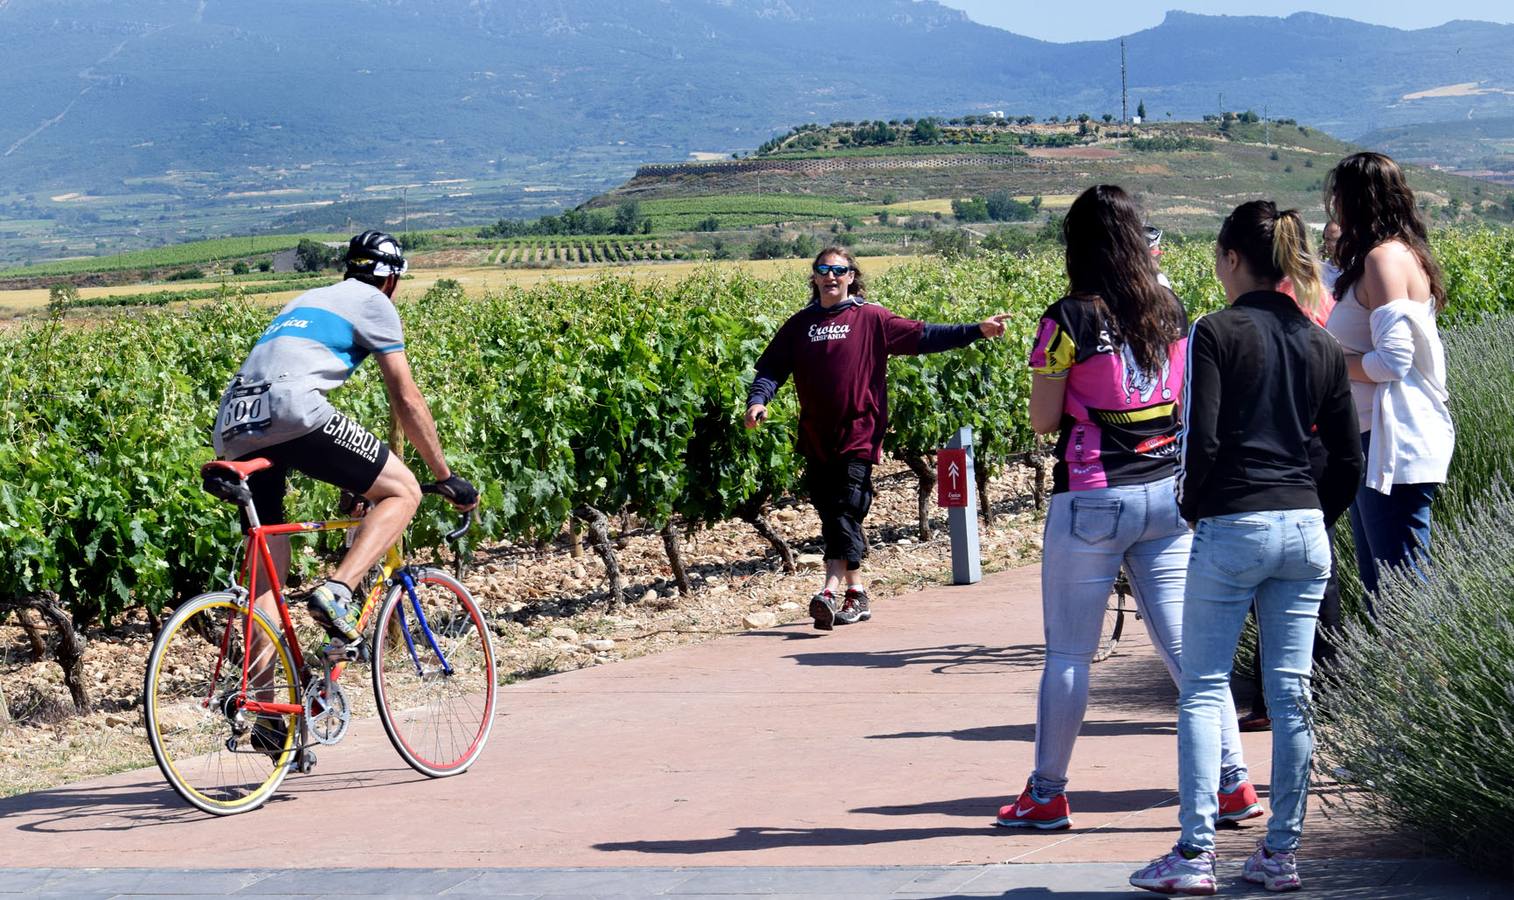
pixel 1368 196
pixel 1109 262
pixel 857 288
pixel 1275 245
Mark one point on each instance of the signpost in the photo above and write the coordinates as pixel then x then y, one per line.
pixel 956 491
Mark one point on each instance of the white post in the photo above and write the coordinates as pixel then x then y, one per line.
pixel 967 565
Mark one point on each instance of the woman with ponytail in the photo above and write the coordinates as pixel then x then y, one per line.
pixel 1390 289
pixel 1108 370
pixel 1261 379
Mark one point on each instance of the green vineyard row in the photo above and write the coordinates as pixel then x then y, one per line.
pixel 615 394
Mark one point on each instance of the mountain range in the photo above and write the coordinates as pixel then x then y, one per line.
pixel 202 101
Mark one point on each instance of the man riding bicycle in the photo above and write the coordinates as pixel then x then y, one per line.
pixel 276 408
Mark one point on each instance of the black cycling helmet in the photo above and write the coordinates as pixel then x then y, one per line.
pixel 375 254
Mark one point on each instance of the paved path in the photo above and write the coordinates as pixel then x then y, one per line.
pixel 1340 880
pixel 885 744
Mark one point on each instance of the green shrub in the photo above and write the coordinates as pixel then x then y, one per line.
pixel 1419 705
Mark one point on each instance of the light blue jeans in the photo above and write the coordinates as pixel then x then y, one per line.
pixel 1088 535
pixel 1282 559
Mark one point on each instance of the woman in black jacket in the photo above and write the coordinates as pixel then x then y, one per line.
pixel 1261 378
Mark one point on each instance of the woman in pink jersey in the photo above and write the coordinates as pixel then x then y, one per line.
pixel 1108 376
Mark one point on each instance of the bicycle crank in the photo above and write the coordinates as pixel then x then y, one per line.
pixel 327 712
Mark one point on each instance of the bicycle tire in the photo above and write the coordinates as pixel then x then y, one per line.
pixel 437 722
pixel 1113 628
pixel 216 760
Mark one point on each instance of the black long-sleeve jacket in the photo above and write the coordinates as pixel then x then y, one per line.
pixel 1261 378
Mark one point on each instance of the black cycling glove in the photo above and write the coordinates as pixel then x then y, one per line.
pixel 458 490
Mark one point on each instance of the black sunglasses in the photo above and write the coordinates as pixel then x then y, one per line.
pixel 838 271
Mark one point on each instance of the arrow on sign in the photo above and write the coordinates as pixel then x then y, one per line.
pixel 953 471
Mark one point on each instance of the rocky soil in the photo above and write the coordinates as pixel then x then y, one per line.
pixel 554 612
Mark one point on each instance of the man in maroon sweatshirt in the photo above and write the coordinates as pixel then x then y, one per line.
pixel 837 349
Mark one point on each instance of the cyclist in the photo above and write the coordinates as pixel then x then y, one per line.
pixel 275 407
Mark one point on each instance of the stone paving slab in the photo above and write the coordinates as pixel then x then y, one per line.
pixel 1332 879
pixel 889 743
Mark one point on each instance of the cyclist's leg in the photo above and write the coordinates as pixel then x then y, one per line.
pixel 395 496
pixel 344 454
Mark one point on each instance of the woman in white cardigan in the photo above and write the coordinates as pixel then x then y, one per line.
pixel 1389 291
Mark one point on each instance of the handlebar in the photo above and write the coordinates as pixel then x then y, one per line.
pixel 463 524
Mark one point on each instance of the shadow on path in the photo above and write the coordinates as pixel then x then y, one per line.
pixel 988 807
pixel 950 659
pixel 152 802
pixel 1027 732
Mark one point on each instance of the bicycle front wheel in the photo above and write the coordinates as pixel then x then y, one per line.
pixel 218 756
pixel 433 674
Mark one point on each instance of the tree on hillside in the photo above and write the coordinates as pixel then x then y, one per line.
pixel 926 131
pixel 1141 110
pixel 973 209
pixel 313 256
pixel 628 218
pixel 1003 207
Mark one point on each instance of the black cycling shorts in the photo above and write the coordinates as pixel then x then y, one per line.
pixel 341 452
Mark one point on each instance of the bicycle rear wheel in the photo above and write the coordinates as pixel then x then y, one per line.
pixel 433 674
pixel 217 756
pixel 1114 625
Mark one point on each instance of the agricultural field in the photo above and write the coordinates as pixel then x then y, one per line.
pixel 472 278
pixel 170 256
pixel 749 209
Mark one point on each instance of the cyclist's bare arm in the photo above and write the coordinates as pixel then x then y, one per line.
pixel 414 414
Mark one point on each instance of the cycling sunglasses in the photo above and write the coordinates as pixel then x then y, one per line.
pixel 838 271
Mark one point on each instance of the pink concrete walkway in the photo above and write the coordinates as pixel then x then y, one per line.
pixel 886 743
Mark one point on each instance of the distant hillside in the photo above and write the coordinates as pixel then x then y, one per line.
pixel 133 124
pixel 1481 148
pixel 1187 174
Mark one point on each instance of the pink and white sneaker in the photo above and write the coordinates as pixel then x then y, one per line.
pixel 1177 874
pixel 1273 871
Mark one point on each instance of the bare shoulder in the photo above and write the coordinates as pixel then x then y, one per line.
pixel 1390 272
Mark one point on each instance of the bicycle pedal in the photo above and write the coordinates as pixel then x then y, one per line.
pixel 304 761
pixel 335 653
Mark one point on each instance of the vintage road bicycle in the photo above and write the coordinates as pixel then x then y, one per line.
pixel 233 703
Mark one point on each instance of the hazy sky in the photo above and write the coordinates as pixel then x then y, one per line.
pixel 1098 19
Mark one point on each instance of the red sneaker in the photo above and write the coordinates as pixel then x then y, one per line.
pixel 1239 803
pixel 1027 812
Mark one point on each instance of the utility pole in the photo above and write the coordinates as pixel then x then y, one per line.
pixel 1266 127
pixel 1222 105
pixel 1124 89
pixel 405 210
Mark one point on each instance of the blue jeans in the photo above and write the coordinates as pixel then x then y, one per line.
pixel 1088 535
pixel 1282 559
pixel 1390 529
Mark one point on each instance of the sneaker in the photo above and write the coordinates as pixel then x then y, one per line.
pixel 1273 871
pixel 1255 722
pixel 857 607
pixel 823 610
pixel 1239 803
pixel 331 612
pixel 1028 812
pixel 1177 874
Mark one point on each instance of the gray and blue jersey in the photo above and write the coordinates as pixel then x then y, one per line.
pixel 311 347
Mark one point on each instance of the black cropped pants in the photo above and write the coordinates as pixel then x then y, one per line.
pixel 842 492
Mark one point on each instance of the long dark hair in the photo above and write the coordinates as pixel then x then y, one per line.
pixel 1109 263
pixel 1368 196
pixel 1275 245
pixel 856 289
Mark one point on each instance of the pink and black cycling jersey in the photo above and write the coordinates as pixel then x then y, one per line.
pixel 1119 423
